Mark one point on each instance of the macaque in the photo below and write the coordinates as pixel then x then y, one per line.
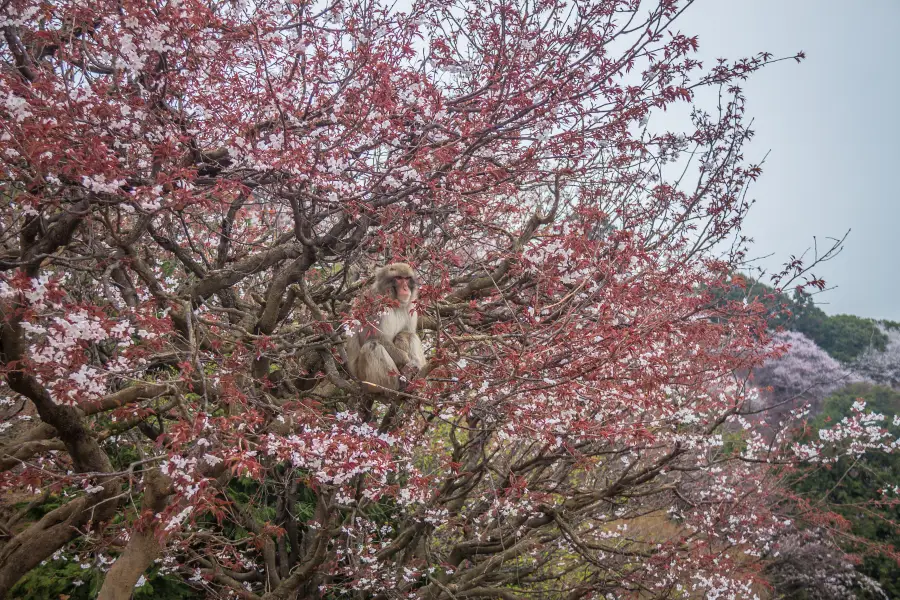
pixel 379 356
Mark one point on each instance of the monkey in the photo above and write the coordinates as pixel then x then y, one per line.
pixel 379 356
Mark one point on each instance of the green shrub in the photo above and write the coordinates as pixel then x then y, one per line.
pixel 854 486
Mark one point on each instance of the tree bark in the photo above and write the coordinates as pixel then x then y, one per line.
pixel 26 551
pixel 144 545
pixel 36 543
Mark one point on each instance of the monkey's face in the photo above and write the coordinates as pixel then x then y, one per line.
pixel 398 281
pixel 404 288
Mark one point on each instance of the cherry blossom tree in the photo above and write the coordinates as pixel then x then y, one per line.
pixel 883 366
pixel 193 196
pixel 804 374
pixel 808 566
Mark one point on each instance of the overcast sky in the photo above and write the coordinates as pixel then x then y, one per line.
pixel 832 124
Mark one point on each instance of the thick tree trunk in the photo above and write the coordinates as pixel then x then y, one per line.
pixel 26 551
pixel 36 543
pixel 144 545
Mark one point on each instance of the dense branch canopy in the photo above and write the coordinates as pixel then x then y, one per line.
pixel 193 196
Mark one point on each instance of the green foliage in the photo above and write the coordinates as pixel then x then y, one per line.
pixel 734 442
pixel 164 587
pixel 844 337
pixel 879 399
pixel 854 485
pixel 121 455
pixel 54 578
pixel 168 267
pixel 306 504
pixel 40 509
pixel 60 578
pixel 780 309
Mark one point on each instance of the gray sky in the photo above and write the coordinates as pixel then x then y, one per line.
pixel 832 124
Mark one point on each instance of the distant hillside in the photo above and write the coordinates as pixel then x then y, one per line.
pixel 846 338
pixel 833 362
pixel 826 353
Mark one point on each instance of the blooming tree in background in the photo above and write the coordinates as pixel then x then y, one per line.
pixel 804 374
pixel 882 367
pixel 193 195
pixel 807 564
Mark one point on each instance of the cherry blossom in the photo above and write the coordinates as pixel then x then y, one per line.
pixel 195 195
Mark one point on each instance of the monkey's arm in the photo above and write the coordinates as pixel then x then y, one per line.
pixel 409 343
pixel 400 356
pixel 397 353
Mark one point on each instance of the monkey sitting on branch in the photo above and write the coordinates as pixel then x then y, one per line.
pixel 380 356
